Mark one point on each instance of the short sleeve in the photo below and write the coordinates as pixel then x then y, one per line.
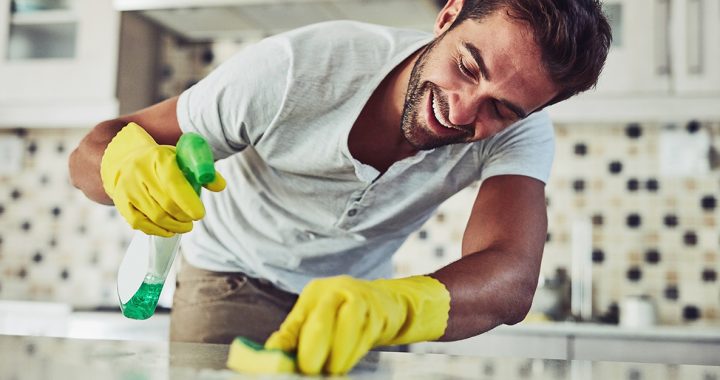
pixel 526 148
pixel 235 104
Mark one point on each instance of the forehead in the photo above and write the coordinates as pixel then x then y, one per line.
pixel 499 35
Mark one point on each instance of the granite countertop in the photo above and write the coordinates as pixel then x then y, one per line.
pixel 27 357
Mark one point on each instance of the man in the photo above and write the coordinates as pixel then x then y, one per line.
pixel 337 141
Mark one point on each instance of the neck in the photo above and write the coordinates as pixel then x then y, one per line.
pixel 376 138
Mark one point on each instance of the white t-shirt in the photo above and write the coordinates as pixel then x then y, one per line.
pixel 297 204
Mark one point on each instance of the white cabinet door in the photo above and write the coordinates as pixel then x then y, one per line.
pixel 696 42
pixel 58 62
pixel 638 61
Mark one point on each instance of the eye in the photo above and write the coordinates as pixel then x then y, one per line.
pixel 464 69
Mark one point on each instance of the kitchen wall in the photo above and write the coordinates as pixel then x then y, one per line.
pixel 654 225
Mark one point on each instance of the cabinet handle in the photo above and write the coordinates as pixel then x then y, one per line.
pixel 695 36
pixel 662 40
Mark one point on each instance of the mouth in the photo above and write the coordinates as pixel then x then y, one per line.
pixel 437 119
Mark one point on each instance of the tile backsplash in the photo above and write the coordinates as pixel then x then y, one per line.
pixel 654 229
pixel 645 188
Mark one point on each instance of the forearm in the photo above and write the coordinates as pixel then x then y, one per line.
pixel 486 291
pixel 84 162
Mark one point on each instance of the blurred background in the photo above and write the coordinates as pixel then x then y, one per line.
pixel 633 247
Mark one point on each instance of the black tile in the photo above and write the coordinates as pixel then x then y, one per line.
pixel 548 237
pixel 709 275
pixel 634 374
pixel 598 220
pixel 693 126
pixel 598 256
pixel 22 273
pixel 439 252
pixel 30 349
pixel 690 238
pixel 633 184
pixel 615 167
pixel 2 209
pixel 166 72
pixel 691 313
pixel 634 274
pixel 652 185
pixel 652 256
pixel 32 148
pixel 580 149
pixel 44 179
pixel 65 274
pixel 633 130
pixel 60 148
pixel 52 242
pixel 20 132
pixel 670 220
pixel 26 226
pixel 672 292
pixel 578 185
pixel 38 257
pixel 634 220
pixel 422 234
pixel 207 56
pixel 56 211
pixel 15 194
pixel 708 203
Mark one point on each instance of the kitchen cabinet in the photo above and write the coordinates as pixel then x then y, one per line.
pixel 58 62
pixel 663 65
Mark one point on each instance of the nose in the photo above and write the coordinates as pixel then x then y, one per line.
pixel 464 107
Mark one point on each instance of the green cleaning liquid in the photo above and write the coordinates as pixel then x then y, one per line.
pixel 142 304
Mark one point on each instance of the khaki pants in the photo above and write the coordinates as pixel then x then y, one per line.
pixel 215 307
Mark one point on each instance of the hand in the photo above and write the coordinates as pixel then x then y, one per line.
pixel 337 320
pixel 146 184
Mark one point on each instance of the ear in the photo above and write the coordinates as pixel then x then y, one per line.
pixel 447 16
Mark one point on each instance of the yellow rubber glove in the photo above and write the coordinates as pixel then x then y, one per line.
pixel 146 184
pixel 337 320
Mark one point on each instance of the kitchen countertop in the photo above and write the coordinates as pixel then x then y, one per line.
pixel 699 333
pixel 28 357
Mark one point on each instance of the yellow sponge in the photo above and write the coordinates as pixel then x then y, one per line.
pixel 248 356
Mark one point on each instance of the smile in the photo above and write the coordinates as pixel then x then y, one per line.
pixel 438 121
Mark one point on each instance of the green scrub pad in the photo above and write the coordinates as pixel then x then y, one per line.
pixel 248 356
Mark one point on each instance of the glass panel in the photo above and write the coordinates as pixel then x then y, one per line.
pixel 41 29
pixel 613 11
pixel 42 41
pixel 22 6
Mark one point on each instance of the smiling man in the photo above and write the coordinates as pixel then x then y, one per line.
pixel 338 140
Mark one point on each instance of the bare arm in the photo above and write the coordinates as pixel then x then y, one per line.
pixel 495 280
pixel 159 120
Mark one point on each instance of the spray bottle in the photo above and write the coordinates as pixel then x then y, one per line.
pixel 146 264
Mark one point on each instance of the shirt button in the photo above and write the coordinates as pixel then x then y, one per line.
pixel 352 212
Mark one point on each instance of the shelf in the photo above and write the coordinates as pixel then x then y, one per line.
pixel 44 17
pixel 76 114
pixel 625 109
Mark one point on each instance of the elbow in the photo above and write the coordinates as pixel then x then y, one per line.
pixel 523 293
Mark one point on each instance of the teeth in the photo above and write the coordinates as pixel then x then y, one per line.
pixel 439 115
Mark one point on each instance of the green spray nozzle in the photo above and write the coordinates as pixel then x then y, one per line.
pixel 195 159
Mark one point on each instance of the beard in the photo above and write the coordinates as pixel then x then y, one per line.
pixel 416 130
